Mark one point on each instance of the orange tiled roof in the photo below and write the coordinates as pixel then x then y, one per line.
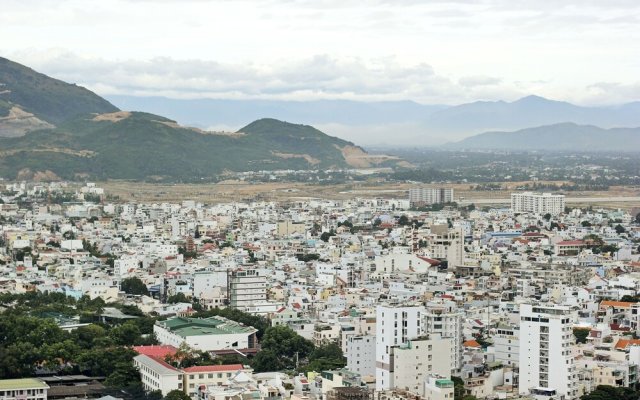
pixel 616 304
pixel 471 343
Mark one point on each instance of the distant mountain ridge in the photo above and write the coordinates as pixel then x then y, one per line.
pixel 56 130
pixel 392 123
pixel 562 137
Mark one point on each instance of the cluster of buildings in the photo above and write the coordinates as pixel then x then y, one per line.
pixel 493 297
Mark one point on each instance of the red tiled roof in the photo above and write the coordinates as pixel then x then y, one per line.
pixel 471 343
pixel 214 368
pixel 155 351
pixel 616 304
pixel 624 343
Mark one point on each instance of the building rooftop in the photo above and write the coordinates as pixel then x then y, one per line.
pixel 186 327
pixel 25 383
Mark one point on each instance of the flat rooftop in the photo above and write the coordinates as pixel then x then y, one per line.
pixel 186 327
pixel 24 383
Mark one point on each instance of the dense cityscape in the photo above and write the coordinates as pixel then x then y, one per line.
pixel 315 298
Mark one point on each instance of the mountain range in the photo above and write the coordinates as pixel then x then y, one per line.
pixel 391 123
pixel 566 136
pixel 50 129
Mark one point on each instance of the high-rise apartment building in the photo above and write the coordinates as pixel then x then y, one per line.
pixel 546 361
pixel 539 203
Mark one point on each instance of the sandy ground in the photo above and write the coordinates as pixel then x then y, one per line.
pixel 235 191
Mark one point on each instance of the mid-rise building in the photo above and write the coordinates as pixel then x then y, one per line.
pixel 445 320
pixel 506 343
pixel 361 354
pixel 539 203
pixel 246 289
pixel 415 360
pixel 420 196
pixel 395 325
pixel 214 334
pixel 546 359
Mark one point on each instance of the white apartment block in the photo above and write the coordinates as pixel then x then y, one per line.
pixel 361 354
pixel 415 360
pixel 246 288
pixel 506 343
pixel 546 360
pixel 394 326
pixel 539 203
pixel 426 195
pixel 445 320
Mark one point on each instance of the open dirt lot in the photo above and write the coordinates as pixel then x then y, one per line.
pixel 623 197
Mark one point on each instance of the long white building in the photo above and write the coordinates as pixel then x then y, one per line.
pixel 425 195
pixel 539 203
pixel 546 361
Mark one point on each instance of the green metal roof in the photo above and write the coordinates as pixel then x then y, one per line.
pixel 186 327
pixel 25 383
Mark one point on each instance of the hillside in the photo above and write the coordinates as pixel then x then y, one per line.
pixel 133 145
pixel 565 136
pixel 51 129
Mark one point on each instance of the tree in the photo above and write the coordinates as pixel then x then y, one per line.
pixel 581 334
pixel 403 220
pixel 326 357
pixel 134 286
pixel 638 218
pixel 287 345
pixel 585 224
pixel 267 360
pixel 178 298
pixel 177 394
pixel 620 229
pixel 606 392
pixel 126 334
pixel 326 235
pixel 547 217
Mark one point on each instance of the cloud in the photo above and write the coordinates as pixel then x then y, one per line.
pixel 317 77
pixel 473 81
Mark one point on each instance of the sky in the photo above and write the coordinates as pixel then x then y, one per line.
pixel 433 52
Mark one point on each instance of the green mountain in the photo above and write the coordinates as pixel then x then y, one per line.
pixel 49 100
pixel 50 129
pixel 564 137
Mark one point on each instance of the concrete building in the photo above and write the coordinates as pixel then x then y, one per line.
pixel 539 203
pixel 506 343
pixel 198 377
pixel 438 388
pixel 361 354
pixel 23 389
pixel 394 326
pixel 215 334
pixel 421 196
pixel 546 359
pixel 416 359
pixel 156 374
pixel 246 289
pixel 445 320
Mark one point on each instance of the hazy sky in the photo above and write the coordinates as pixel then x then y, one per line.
pixel 584 51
